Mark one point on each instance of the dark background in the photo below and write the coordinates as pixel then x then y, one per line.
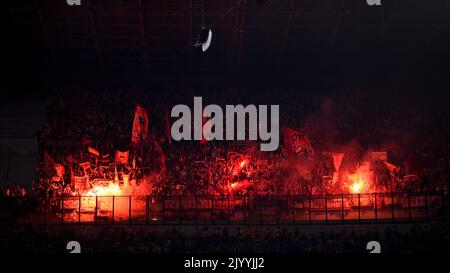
pixel 313 45
pixel 310 48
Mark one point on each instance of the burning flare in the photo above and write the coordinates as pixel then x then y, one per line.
pixel 112 189
pixel 357 186
pixel 359 182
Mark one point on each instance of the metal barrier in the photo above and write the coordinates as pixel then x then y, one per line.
pixel 226 209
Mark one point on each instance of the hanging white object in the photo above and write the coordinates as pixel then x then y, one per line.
pixel 207 43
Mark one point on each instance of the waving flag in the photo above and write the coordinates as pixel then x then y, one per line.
pixel 93 151
pixel 337 160
pixel 140 125
pixel 392 168
pixel 85 165
pixel 297 143
pixel 122 157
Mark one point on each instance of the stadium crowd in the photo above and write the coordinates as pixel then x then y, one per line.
pixel 417 142
pixel 103 120
pixel 350 122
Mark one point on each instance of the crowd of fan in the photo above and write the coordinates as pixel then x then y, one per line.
pixel 222 240
pixel 79 118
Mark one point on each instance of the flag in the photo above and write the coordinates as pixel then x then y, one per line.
pixel 392 168
pixel 49 169
pixel 162 155
pixel 59 169
pixel 93 151
pixel 85 165
pixel 297 143
pixel 337 160
pixel 122 157
pixel 140 125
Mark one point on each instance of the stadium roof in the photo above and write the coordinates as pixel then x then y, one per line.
pixel 158 34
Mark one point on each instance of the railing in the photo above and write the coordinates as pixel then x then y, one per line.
pixel 226 209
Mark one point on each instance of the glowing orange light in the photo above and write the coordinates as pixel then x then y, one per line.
pixel 361 180
pixel 243 163
pixel 358 183
pixel 110 199
pixel 112 189
pixel 356 187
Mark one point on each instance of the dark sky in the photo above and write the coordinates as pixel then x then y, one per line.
pixel 403 43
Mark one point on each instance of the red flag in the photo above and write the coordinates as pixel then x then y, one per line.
pixel 337 160
pixel 93 151
pixel 122 157
pixel 296 143
pixel 85 165
pixel 140 125
pixel 391 167
pixel 162 155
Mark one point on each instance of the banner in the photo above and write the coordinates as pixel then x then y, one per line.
pixel 79 180
pixel 122 157
pixel 140 125
pixel 93 151
pixel 337 160
pixel 297 143
pixel 381 156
